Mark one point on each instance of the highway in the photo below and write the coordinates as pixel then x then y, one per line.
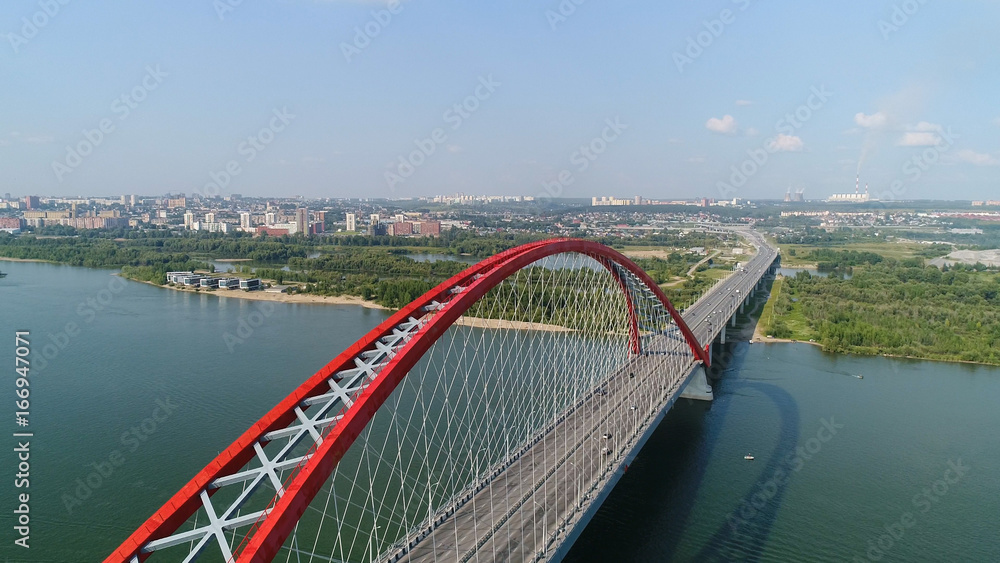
pixel 708 316
pixel 527 499
pixel 522 513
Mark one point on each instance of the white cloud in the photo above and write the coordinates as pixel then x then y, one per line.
pixel 977 158
pixel 873 121
pixel 922 134
pixel 726 125
pixel 30 139
pixel 751 132
pixel 924 126
pixel 787 143
pixel 919 139
pixel 744 103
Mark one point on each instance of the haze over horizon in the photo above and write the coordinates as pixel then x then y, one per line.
pixel 365 99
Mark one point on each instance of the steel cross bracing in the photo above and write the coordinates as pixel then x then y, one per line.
pixel 272 478
pixel 305 429
pixel 302 432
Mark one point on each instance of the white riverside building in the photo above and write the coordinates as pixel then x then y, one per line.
pixel 850 198
pixel 191 279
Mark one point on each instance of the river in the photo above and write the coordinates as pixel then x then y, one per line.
pixel 108 354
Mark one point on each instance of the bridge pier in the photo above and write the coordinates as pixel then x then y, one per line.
pixel 723 334
pixel 697 387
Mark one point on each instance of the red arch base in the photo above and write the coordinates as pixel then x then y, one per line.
pixel 281 518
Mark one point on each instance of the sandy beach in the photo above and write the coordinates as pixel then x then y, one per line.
pixel 309 299
pixel 514 325
pixel 766 340
pixel 5 259
pixel 303 298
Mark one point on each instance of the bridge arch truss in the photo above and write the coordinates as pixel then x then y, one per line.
pixel 476 423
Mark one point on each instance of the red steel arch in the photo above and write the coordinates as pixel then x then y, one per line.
pixel 473 283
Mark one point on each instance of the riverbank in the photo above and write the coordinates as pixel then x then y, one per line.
pixel 301 298
pixel 310 299
pixel 6 259
pixel 499 324
pixel 760 336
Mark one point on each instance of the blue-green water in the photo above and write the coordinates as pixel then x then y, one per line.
pixel 837 459
pixel 137 348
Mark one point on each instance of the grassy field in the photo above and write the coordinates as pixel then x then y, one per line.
pixel 717 273
pixel 767 315
pixel 897 250
pixel 797 324
pixel 783 316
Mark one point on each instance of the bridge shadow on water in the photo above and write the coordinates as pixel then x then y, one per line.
pixel 648 515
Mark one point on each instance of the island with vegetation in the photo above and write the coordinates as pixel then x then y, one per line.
pixel 872 304
pixel 376 269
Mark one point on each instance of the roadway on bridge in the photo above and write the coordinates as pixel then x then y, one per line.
pixel 515 517
pixel 709 315
pixel 528 499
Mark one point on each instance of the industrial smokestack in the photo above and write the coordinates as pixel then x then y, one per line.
pixel 857 185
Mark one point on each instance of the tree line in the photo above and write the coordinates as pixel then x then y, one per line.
pixel 898 308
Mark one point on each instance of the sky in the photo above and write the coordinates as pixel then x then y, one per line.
pixel 560 98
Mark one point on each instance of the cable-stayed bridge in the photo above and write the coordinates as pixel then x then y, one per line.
pixel 485 421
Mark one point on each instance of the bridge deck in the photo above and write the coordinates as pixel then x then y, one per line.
pixel 523 498
pixel 514 518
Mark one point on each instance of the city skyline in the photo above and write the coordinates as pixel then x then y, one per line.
pixel 564 281
pixel 397 100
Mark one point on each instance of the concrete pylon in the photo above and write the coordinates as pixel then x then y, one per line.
pixel 697 387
